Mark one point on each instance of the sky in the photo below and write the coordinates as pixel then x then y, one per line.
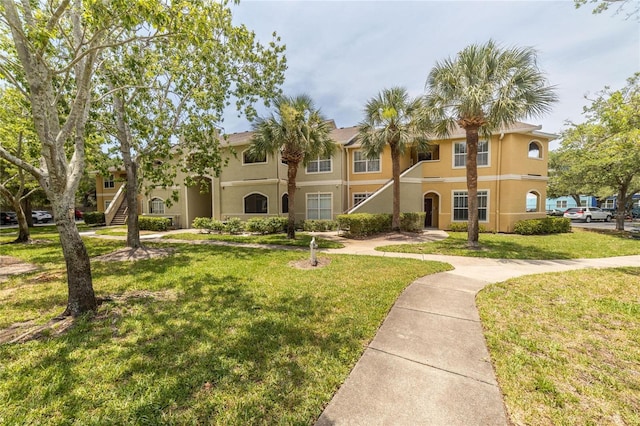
pixel 343 53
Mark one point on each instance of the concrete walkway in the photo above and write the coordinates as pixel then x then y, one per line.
pixel 428 363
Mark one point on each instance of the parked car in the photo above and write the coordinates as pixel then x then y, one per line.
pixel 587 214
pixel 555 212
pixel 41 216
pixel 78 214
pixel 635 212
pixel 8 218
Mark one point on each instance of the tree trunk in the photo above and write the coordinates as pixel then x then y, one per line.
pixel 292 172
pixel 472 187
pixel 133 229
pixel 124 137
pixel 24 236
pixel 395 170
pixel 621 207
pixel 81 297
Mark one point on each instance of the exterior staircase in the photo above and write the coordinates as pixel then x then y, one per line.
pixel 120 217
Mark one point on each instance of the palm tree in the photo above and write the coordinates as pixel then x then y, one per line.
pixel 485 88
pixel 300 133
pixel 393 118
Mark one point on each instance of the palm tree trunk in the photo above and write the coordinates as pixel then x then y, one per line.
pixel 292 172
pixel 472 186
pixel 395 170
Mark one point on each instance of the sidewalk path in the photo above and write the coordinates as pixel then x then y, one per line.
pixel 428 363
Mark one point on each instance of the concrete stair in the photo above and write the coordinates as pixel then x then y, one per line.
pixel 121 215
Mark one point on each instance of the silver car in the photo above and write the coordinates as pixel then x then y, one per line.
pixel 587 214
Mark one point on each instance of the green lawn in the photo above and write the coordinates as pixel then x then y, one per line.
pixel 566 346
pixel 209 335
pixel 574 245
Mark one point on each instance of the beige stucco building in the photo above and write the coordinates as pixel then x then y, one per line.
pixel 512 174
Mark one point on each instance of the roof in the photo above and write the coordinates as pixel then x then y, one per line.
pixel 341 136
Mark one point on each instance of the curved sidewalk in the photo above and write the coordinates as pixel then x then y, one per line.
pixel 428 363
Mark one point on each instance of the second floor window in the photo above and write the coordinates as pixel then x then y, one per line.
pixel 319 165
pixel 360 197
pixel 109 182
pixel 460 154
pixel 361 164
pixel 248 158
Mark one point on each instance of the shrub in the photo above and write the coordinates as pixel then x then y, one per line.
pixel 547 225
pixel 153 223
pixel 207 225
pixel 94 218
pixel 364 224
pixel 412 222
pixel 463 227
pixel 233 225
pixel 319 225
pixel 266 225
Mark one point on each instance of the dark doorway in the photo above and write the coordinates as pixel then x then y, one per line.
pixel 428 209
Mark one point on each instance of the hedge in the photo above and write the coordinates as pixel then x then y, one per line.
pixel 547 225
pixel 153 223
pixel 319 225
pixel 463 227
pixel 267 225
pixel 360 225
pixel 207 225
pixel 94 218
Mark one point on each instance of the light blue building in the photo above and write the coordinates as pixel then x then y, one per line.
pixel 563 203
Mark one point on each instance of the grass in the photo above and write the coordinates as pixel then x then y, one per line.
pixel 302 239
pixel 577 244
pixel 120 232
pixel 208 335
pixel 566 347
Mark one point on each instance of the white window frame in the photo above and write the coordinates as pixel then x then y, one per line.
pixel 609 204
pixel 368 162
pixel 484 193
pixel 462 156
pixel 317 162
pixel 363 195
pixel 109 182
pixel 318 195
pixel 253 163
pixel 561 204
pixel 161 203
pixel 540 153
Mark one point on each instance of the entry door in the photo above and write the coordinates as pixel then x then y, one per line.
pixel 428 209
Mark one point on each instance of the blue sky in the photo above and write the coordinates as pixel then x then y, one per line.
pixel 343 53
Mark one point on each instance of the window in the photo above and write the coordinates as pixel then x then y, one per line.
pixel 319 165
pixel 609 204
pixel 156 206
pixel 460 154
pixel 583 203
pixel 461 205
pixel 535 150
pixel 285 203
pixel 561 204
pixel 319 206
pixel 361 164
pixel 360 197
pixel 255 203
pixel 107 203
pixel 533 201
pixel 431 154
pixel 109 182
pixel 249 158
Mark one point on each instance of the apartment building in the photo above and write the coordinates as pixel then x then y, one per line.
pixel 512 179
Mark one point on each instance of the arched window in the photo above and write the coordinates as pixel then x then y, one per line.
pixel 535 149
pixel 156 206
pixel 533 201
pixel 285 203
pixel 255 203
